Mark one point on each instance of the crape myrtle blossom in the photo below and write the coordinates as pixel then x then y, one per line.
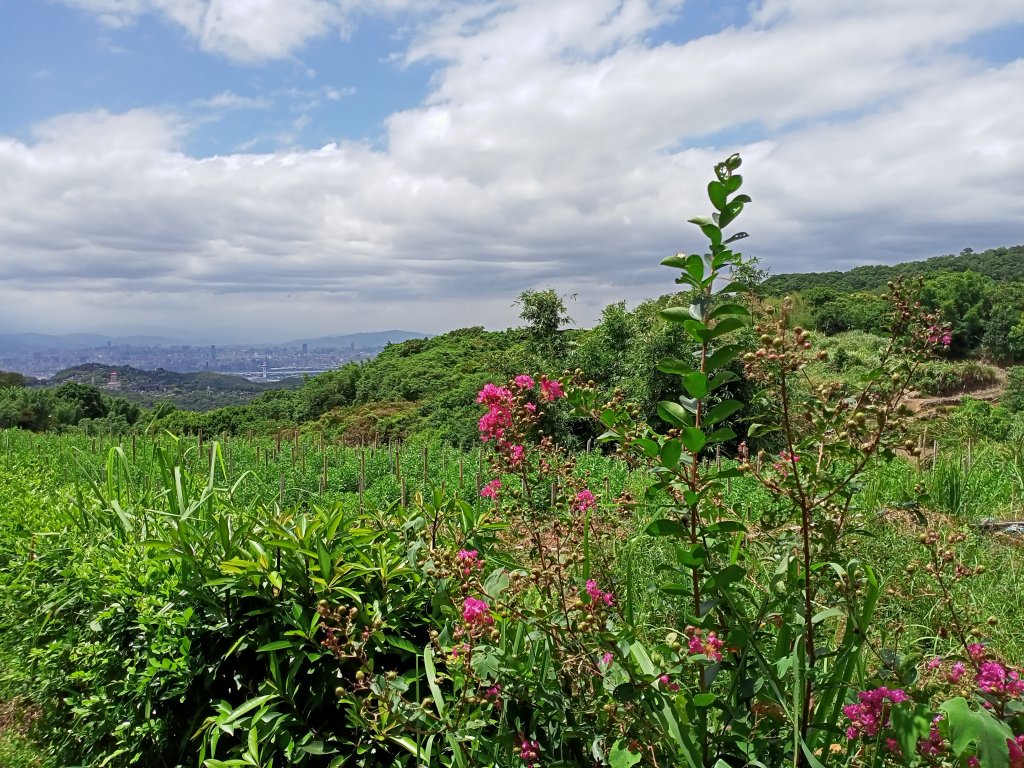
pixel 708 645
pixel 871 712
pixel 490 491
pixel 597 596
pixel 585 500
pixel 469 561
pixel 476 613
pixel 551 389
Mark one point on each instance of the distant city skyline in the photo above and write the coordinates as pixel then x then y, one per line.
pixel 230 171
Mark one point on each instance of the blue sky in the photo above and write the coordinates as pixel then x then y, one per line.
pixel 240 169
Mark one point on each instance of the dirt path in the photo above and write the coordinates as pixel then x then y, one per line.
pixel 929 407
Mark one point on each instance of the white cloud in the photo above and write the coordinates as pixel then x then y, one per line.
pixel 227 100
pixel 250 31
pixel 557 147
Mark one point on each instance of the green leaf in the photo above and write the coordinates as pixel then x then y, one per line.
pixel 649 447
pixel 694 439
pixel 733 183
pixel 726 325
pixel 701 221
pixel 728 309
pixel 696 384
pixel 621 757
pixel 673 413
pixel 626 692
pixel 712 233
pixel 729 575
pixel 722 435
pixel 697 310
pixel 732 210
pixel 675 365
pixel 702 700
pixel 435 690
pixel 722 356
pixel 722 411
pixel 670 454
pixel 910 724
pixel 969 730
pixel 677 314
pixel 735 237
pixel 735 287
pixel 717 194
pixel 666 527
pixel 678 261
pixel 277 645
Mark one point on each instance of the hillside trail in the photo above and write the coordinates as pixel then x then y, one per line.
pixel 927 407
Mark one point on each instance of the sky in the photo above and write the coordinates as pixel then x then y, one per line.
pixel 234 170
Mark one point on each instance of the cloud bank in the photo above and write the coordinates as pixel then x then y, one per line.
pixel 559 145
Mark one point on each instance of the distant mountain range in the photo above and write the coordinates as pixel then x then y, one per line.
pixel 15 341
pixel 36 341
pixel 361 340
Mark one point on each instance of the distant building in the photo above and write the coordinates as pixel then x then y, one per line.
pixel 304 349
pixel 114 383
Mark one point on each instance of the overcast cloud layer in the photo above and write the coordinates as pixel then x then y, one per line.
pixel 559 144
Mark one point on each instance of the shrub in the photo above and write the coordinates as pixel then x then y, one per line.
pixel 1013 397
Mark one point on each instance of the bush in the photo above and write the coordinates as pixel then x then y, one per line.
pixel 1013 397
pixel 939 378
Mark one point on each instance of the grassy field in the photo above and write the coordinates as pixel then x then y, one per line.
pixel 77 494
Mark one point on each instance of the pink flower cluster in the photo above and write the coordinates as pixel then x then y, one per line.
pixel 490 491
pixel 551 389
pixel 469 561
pixel 597 596
pixel 493 695
pixel 666 681
pixel 937 335
pixel 499 412
pixel 529 751
pixel 585 500
pixel 708 645
pixel 871 712
pixel 994 678
pixel 1016 747
pixel 934 745
pixel 476 613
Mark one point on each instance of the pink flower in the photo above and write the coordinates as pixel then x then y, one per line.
pixel 606 659
pixel 957 672
pixel 528 751
pixel 666 681
pixel 1016 747
pixel 934 745
pixel 788 456
pixel 515 454
pixel 490 491
pixel 493 424
pixel 709 646
pixel 973 762
pixel 476 613
pixel 494 395
pixel 585 500
pixel 871 712
pixel 597 596
pixel 530 407
pixel 551 389
pixel 934 663
pixel 470 560
pixel 976 651
pixel 524 382
pixel 493 695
